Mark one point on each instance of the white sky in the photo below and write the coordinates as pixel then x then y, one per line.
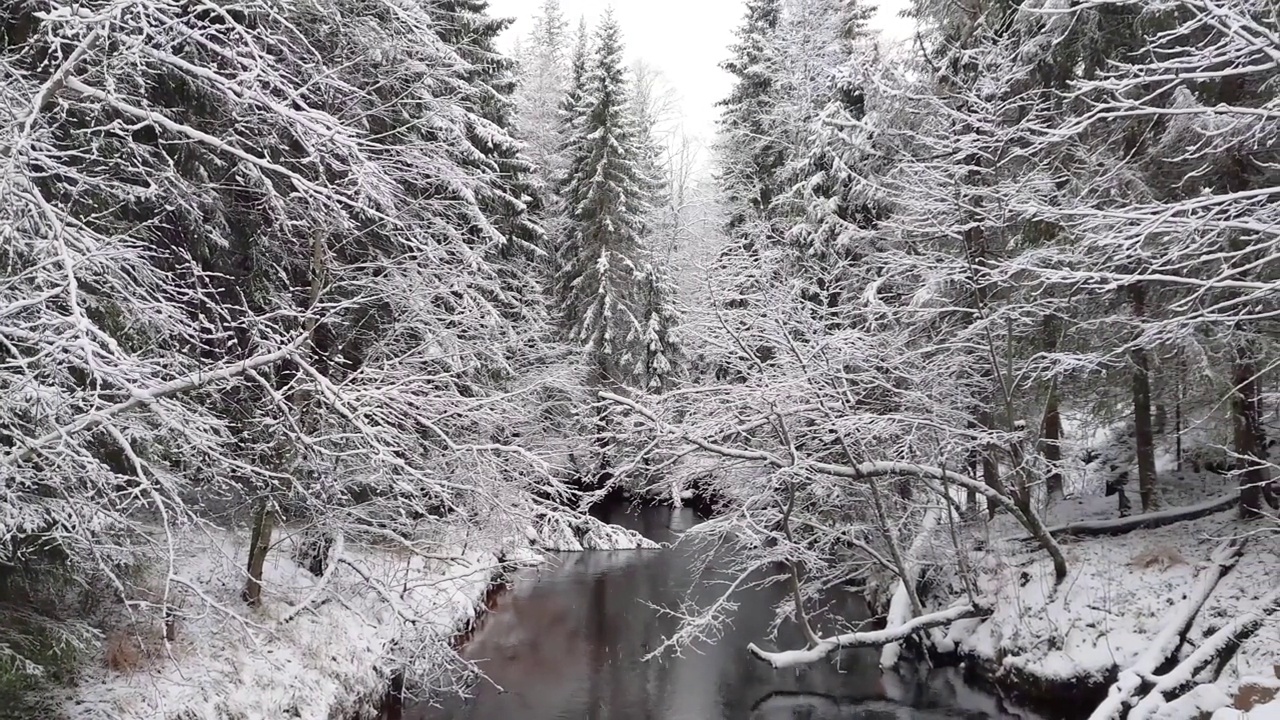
pixel 685 39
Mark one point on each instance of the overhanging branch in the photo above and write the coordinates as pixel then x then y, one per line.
pixel 875 638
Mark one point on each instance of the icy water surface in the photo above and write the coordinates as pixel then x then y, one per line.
pixel 566 644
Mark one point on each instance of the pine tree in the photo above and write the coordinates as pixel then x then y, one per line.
pixel 813 42
pixel 825 55
pixel 750 153
pixel 647 108
pixel 569 118
pixel 573 106
pixel 606 197
pixel 488 83
pixel 544 77
pixel 663 353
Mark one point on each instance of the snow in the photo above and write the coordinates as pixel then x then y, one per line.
pixel 308 651
pixel 1120 601
pixel 1131 679
pixel 562 533
pixel 1269 711
pixel 889 635
pixel 317 647
pixel 900 609
pixel 1200 701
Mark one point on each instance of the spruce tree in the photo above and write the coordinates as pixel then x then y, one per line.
pixel 544 77
pixel 573 106
pixel 663 353
pixel 606 196
pixel 488 83
pixel 750 153
pixel 833 208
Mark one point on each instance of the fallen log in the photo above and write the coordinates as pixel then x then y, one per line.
pixel 1215 650
pixel 1131 680
pixel 1145 521
pixel 875 638
pixel 901 607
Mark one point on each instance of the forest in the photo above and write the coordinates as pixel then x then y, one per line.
pixel 319 316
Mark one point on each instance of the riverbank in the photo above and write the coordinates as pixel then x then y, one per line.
pixel 1069 642
pixel 318 647
pixel 568 640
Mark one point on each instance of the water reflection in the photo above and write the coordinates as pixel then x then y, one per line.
pixel 566 644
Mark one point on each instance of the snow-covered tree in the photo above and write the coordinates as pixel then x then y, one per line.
pixel 251 258
pixel 607 199
pixel 749 152
pixel 486 89
pixel 663 351
pixel 543 83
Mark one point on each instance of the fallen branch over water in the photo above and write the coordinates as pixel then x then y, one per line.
pixel 1132 679
pixel 864 471
pixel 876 638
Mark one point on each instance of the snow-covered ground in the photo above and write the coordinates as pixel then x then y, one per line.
pixel 1121 591
pixel 329 660
pixel 317 648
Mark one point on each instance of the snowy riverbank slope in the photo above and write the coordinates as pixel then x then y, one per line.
pixel 317 648
pixel 1121 592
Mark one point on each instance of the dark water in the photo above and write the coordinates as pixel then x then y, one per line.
pixel 566 644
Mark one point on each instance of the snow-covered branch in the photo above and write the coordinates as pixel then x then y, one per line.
pixel 875 638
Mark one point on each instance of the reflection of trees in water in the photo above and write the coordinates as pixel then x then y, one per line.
pixel 817 706
pixel 567 643
pixel 922 703
pixel 598 640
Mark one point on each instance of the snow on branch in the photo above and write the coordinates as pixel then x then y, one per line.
pixel 1026 516
pixel 1145 521
pixel 875 638
pixel 1166 643
pixel 139 398
pixel 1215 650
pixel 856 472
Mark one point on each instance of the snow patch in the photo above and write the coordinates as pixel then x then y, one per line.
pixel 316 648
pixel 564 533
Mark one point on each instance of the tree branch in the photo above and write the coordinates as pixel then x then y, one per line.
pixel 793 658
pixel 96 418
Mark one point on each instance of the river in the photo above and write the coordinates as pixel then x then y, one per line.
pixel 566 643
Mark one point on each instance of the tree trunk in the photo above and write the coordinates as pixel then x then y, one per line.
pixel 264 517
pixel 1051 431
pixel 974 460
pixel 976 246
pixel 1177 415
pixel 895 551
pixel 1143 438
pixel 990 470
pixel 170 624
pixel 259 543
pixel 991 477
pixel 1246 407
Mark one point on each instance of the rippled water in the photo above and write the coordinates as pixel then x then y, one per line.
pixel 566 642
